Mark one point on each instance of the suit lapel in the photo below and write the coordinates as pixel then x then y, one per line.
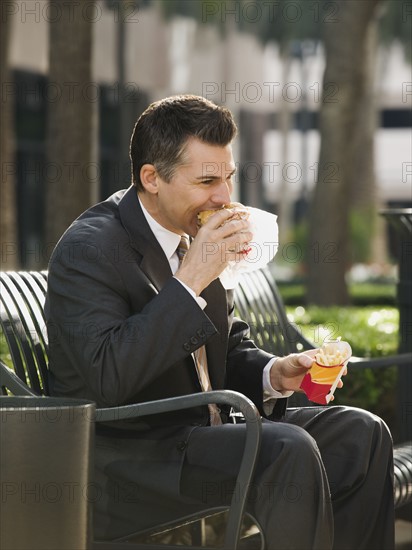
pixel 153 260
pixel 216 347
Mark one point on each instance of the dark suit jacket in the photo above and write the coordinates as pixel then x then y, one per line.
pixel 122 329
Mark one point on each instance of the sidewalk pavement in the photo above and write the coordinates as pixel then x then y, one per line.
pixel 403 534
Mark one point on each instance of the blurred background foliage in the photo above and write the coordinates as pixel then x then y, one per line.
pixel 281 29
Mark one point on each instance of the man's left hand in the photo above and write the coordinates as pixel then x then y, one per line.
pixel 287 372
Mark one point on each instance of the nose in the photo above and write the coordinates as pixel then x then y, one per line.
pixel 222 193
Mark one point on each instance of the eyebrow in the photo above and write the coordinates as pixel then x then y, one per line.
pixel 211 177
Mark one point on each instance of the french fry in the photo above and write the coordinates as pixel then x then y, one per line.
pixel 332 354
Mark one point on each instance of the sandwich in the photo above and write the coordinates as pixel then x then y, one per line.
pixel 239 213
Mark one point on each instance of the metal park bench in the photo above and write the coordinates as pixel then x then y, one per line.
pixel 258 302
pixel 23 325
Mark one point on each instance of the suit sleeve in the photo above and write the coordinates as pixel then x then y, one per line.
pixel 116 348
pixel 245 365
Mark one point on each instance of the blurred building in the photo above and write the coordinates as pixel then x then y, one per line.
pixel 163 57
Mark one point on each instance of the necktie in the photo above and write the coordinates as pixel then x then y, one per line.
pixel 182 248
pixel 199 355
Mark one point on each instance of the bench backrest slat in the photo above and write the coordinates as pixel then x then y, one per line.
pixel 22 319
pixel 258 301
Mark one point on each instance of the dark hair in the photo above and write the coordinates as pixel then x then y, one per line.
pixel 161 133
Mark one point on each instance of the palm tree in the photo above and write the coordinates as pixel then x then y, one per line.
pixel 8 225
pixel 71 135
pixel 346 155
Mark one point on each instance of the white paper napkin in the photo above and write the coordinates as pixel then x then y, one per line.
pixel 263 247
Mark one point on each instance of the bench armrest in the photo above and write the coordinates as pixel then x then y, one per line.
pixel 10 380
pixel 402 359
pixel 252 444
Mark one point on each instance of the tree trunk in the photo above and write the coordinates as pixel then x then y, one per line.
pixel 8 224
pixel 285 125
pixel 71 167
pixel 346 84
pixel 369 226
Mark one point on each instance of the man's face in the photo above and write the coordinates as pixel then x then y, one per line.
pixel 202 182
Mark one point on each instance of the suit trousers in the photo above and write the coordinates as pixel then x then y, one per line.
pixel 324 478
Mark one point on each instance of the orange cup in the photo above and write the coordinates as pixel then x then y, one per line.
pixel 320 382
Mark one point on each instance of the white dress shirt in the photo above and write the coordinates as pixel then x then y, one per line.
pixel 169 243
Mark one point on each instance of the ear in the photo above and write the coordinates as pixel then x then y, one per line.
pixel 149 178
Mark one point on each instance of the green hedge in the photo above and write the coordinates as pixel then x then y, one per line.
pixel 4 351
pixel 361 293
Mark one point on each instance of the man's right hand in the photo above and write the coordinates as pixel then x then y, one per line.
pixel 219 241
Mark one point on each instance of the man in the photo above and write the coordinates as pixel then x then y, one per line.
pixel 127 321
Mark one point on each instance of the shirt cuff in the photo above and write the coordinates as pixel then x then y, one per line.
pixel 201 302
pixel 270 395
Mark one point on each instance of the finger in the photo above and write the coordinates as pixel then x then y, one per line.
pixel 241 247
pixel 305 360
pixel 219 218
pixel 311 352
pixel 233 227
pixel 237 255
pixel 238 243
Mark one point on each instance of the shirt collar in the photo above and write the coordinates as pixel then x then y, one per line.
pixel 168 240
